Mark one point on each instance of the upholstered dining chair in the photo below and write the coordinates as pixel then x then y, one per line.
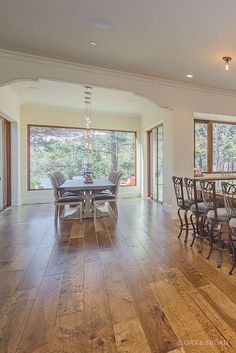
pixel 110 197
pixel 217 217
pixel 60 179
pixel 198 212
pixel 61 201
pixel 229 194
pixel 183 205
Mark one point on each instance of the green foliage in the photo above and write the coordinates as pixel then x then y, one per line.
pixel 64 149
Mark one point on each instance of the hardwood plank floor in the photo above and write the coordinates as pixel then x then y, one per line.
pixel 125 287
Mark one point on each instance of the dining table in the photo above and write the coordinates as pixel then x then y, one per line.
pixel 88 190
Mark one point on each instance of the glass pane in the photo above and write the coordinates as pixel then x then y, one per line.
pixel 160 163
pixel 201 132
pixel 63 149
pixel 154 163
pixel 224 147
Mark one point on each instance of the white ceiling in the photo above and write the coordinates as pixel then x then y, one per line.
pixel 69 95
pixel 162 38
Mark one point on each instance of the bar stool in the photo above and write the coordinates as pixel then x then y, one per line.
pixel 229 194
pixel 217 217
pixel 198 212
pixel 183 205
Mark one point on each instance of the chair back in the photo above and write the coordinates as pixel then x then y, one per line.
pixel 112 176
pixel 229 193
pixel 117 182
pixel 191 190
pixel 208 189
pixel 55 185
pixel 60 177
pixel 179 191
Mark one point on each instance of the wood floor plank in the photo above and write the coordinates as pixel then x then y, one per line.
pixel 69 334
pixel 70 303
pixel 12 325
pixel 130 337
pixel 37 334
pixel 180 315
pixel 105 286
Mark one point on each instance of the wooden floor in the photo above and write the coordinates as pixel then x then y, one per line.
pixel 126 287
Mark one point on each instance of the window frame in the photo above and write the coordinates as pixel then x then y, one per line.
pixel 210 148
pixel 78 128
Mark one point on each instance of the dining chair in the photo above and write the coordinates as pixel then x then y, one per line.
pixel 60 179
pixel 61 201
pixel 183 205
pixel 198 212
pixel 229 194
pixel 111 197
pixel 217 217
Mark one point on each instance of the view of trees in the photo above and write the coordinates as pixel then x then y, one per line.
pixel 223 147
pixel 201 131
pixel 53 148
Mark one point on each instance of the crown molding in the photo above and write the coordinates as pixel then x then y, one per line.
pixel 35 59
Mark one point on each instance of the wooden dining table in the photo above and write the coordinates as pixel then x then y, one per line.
pixel 79 186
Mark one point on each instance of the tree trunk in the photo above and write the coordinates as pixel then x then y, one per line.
pixel 114 150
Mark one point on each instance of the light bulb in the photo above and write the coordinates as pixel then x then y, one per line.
pixel 226 66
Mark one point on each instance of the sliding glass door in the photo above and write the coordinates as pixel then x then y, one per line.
pixel 156 163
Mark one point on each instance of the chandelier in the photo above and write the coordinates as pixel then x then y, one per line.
pixel 88 132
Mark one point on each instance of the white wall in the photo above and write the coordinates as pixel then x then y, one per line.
pixel 35 114
pixel 182 99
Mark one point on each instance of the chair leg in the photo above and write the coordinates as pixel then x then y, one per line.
pixel 186 225
pixel 231 271
pixel 233 252
pixel 201 233
pixel 94 210
pixel 56 213
pixel 220 250
pixel 194 229
pixel 181 223
pixel 116 210
pixel 81 211
pixel 210 231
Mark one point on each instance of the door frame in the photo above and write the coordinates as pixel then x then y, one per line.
pixel 149 173
pixel 6 173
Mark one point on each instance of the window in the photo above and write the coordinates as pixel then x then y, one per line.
pixel 215 146
pixel 60 148
pixel 201 148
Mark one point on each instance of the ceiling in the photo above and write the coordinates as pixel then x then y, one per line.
pixel 162 38
pixel 67 95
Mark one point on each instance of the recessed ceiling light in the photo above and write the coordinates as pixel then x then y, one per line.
pixel 189 76
pixel 93 43
pixel 100 23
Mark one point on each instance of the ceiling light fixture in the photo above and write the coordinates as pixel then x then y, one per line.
pixel 87 118
pixel 189 76
pixel 227 60
pixel 93 43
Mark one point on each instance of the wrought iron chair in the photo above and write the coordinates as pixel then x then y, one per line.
pixel 229 193
pixel 61 201
pixel 198 212
pixel 216 216
pixel 183 205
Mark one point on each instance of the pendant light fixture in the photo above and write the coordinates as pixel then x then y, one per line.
pixel 227 60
